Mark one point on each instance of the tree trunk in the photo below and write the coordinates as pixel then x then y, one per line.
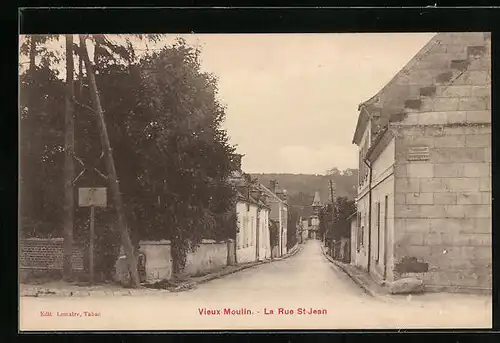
pixel 110 168
pixel 69 169
pixel 27 167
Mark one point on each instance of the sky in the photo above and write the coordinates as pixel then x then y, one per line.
pixel 292 99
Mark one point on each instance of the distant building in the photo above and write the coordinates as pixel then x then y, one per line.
pixel 313 231
pixel 277 200
pixel 424 190
pixel 252 211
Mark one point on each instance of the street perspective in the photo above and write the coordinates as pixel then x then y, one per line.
pixel 327 181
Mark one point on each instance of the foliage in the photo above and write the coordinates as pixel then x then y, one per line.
pixel 295 184
pixel 164 123
pixel 337 225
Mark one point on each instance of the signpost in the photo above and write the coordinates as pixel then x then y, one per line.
pixel 92 197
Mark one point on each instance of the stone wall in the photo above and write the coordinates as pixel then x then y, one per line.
pixel 209 255
pixel 443 198
pixel 158 259
pixel 443 205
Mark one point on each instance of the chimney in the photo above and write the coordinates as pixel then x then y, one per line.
pixel 272 185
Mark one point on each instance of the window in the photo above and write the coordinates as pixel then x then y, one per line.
pixel 378 231
pixel 359 238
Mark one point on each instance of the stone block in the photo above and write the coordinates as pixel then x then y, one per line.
pixel 400 198
pixel 474 78
pixel 407 184
pixel 418 251
pixel 476 169
pixel 434 131
pixel 454 91
pixel 482 253
pixel 407 211
pixel 435 185
pixel 455 48
pixel 446 104
pixel 485 184
pixel 417 140
pixel 415 238
pixel 406 286
pixel 427 105
pixel 472 104
pixel 456 117
pixel 410 119
pixel 400 170
pixel 454 239
pixel 467 129
pixel 419 198
pixel 448 169
pixel 469 198
pixel 483 116
pixel 417 225
pixel 480 239
pixel 464 184
pixel 417 169
pixel 449 141
pixel 427 91
pixel 480 91
pixel 432 211
pixel 486 198
pixel 445 252
pixel 445 198
pixel 432 118
pixel 477 211
pixel 458 155
pixel 480 225
pixel 454 211
pixel 481 140
pixel 444 77
pixel 433 238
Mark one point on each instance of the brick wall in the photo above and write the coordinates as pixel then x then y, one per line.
pixel 46 254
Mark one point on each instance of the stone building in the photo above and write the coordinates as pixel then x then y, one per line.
pixel 424 192
pixel 277 200
pixel 253 241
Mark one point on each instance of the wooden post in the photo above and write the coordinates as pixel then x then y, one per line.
pixel 69 169
pixel 110 167
pixel 91 244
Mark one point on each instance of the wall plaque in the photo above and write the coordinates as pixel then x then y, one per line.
pixel 418 154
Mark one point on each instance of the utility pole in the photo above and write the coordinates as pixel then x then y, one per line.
pixel 69 168
pixel 110 166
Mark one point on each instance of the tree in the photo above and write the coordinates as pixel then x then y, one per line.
pixel 189 158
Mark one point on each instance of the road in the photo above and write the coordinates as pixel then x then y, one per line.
pixel 310 291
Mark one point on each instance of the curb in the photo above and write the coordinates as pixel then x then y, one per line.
pixel 353 277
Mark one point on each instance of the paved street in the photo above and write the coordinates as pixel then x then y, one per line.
pixel 303 282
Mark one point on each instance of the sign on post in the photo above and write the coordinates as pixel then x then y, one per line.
pixel 92 196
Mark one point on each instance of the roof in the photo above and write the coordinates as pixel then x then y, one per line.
pixel 432 60
pixel 272 195
pixel 442 55
pixel 317 200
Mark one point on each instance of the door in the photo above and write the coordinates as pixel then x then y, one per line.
pixel 386 226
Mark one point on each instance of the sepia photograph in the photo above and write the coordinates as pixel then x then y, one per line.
pixel 334 181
